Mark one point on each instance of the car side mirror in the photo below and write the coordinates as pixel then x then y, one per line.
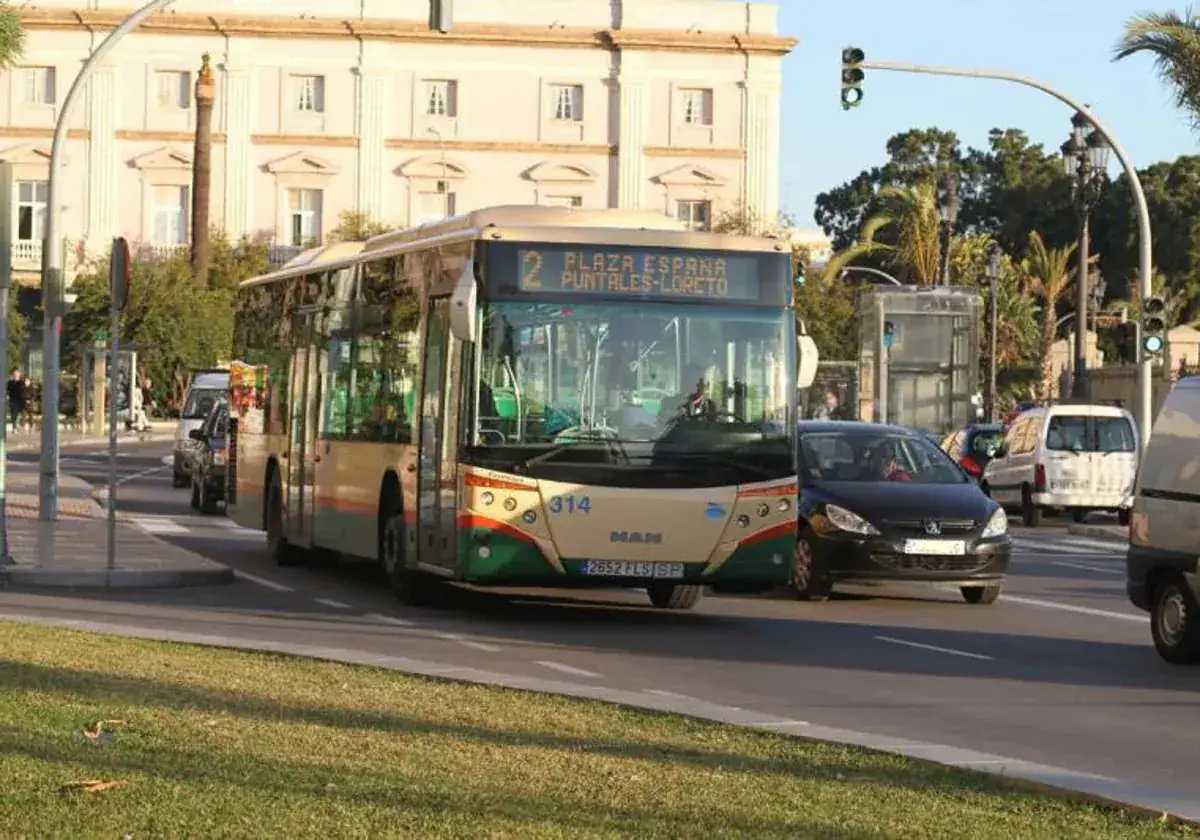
pixel 197 434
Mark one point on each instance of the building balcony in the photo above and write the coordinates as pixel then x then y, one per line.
pixel 27 255
pixel 279 255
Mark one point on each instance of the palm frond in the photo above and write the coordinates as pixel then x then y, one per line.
pixel 1173 41
pixel 12 36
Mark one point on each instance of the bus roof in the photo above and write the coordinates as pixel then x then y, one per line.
pixel 532 223
pixel 321 258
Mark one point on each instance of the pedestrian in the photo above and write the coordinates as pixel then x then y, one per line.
pixel 15 389
pixel 30 400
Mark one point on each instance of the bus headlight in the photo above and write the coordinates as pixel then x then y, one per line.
pixel 487 498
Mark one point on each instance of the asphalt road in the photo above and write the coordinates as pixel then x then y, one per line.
pixel 1060 671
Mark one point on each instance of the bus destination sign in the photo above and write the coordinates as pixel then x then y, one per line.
pixel 640 272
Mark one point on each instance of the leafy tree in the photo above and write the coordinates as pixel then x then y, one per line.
pixel 913 215
pixel 1173 40
pixel 357 227
pixel 1018 332
pixel 12 35
pixel 18 331
pixel 1047 274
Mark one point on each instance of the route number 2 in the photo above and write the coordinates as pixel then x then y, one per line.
pixel 570 504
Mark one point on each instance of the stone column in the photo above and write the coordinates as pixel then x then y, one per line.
pixel 239 175
pixel 103 185
pixel 371 128
pixel 760 138
pixel 631 159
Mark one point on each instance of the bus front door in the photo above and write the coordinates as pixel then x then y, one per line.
pixel 435 546
pixel 303 452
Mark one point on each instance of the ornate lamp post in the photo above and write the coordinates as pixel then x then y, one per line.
pixel 949 216
pixel 992 276
pixel 1085 158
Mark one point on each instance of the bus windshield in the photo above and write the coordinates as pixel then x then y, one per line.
pixel 613 385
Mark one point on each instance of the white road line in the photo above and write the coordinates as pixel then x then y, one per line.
pixel 567 669
pixel 455 637
pixel 387 619
pixel 168 460
pixel 673 695
pixel 1053 605
pixel 1052 547
pixel 329 602
pixel 934 648
pixel 155 525
pixel 1084 567
pixel 269 584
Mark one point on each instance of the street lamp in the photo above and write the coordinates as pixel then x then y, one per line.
pixel 949 216
pixel 993 278
pixel 1085 160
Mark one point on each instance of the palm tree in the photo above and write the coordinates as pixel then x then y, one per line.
pixel 12 35
pixel 1046 272
pixel 1173 40
pixel 915 214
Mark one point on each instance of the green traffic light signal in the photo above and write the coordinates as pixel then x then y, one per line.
pixel 1154 325
pixel 852 77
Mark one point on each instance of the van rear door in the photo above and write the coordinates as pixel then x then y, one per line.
pixel 1066 457
pixel 1114 454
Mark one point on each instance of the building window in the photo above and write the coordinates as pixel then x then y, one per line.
pixel 441 98
pixel 309 94
pixel 697 215
pixel 174 89
pixel 31 210
pixel 171 212
pixel 697 106
pixel 434 206
pixel 304 217
pixel 568 102
pixel 564 201
pixel 39 85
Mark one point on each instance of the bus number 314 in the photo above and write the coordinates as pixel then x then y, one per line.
pixel 570 504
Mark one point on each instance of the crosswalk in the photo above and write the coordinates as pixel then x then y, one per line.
pixel 197 525
pixel 1047 542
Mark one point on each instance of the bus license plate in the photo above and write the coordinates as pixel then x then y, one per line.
pixel 938 548
pixel 629 569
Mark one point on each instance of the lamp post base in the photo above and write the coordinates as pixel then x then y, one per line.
pixel 1081 390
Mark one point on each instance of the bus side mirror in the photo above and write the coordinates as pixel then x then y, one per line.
pixel 806 361
pixel 464 305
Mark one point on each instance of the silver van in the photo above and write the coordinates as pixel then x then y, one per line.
pixel 207 388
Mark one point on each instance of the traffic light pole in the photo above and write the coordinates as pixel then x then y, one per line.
pixel 1145 402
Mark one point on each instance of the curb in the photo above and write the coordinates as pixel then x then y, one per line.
pixel 1084 788
pixel 1097 532
pixel 116 579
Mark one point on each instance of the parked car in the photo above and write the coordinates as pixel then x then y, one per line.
pixel 972 447
pixel 1076 457
pixel 206 389
pixel 208 460
pixel 1164 534
pixel 883 503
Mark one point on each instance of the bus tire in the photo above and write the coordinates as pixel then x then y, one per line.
pixel 674 596
pixel 281 551
pixel 410 586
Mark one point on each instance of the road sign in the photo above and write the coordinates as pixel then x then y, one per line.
pixel 100 336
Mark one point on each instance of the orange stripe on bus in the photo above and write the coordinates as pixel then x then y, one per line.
pixel 474 520
pixel 475 480
pixel 761 492
pixel 783 529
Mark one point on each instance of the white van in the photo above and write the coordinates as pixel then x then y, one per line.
pixel 1161 573
pixel 207 388
pixel 1080 458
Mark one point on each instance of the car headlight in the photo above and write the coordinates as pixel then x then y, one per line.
pixel 998 525
pixel 845 520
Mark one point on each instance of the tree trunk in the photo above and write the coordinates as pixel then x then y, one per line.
pixel 1049 328
pixel 202 170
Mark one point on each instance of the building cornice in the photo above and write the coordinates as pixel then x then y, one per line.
pixel 410 31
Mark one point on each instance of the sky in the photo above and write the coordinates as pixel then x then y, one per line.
pixel 1067 43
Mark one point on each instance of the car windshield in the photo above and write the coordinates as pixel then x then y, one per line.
pixel 200 403
pixel 660 382
pixel 1080 433
pixel 872 455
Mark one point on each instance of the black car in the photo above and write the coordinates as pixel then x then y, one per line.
pixel 971 447
pixel 883 503
pixel 208 460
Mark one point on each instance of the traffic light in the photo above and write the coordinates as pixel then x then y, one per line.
pixel 441 15
pixel 852 77
pixel 1154 326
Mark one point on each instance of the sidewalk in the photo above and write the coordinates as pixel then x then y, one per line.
pixel 72 551
pixel 161 431
pixel 1110 533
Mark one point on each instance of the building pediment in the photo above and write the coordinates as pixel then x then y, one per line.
pixel 165 158
pixel 557 172
pixel 690 175
pixel 302 163
pixel 434 167
pixel 25 154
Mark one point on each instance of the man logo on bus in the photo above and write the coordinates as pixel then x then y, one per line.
pixel 636 537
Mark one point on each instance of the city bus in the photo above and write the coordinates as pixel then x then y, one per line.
pixel 526 396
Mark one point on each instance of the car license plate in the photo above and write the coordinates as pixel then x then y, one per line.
pixel 630 569
pixel 928 548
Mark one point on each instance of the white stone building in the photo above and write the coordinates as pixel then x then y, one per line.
pixel 325 106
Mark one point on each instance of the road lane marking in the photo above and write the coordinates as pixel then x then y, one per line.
pixel 156 525
pixel 455 637
pixel 387 619
pixel 269 584
pixel 673 695
pixel 934 648
pixel 1086 568
pixel 168 460
pixel 1052 605
pixel 329 602
pixel 567 669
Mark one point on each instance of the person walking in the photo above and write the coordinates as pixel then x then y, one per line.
pixel 15 389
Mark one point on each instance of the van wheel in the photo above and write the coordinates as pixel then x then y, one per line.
pixel 805 585
pixel 674 596
pixel 986 594
pixel 1031 514
pixel 411 587
pixel 1080 515
pixel 281 551
pixel 1175 621
pixel 1123 517
pixel 208 505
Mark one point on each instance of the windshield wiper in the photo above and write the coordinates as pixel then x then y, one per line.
pixel 582 437
pixel 724 459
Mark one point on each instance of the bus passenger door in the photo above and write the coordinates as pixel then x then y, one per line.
pixel 435 547
pixel 303 454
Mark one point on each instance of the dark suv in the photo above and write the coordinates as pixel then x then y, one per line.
pixel 971 447
pixel 208 460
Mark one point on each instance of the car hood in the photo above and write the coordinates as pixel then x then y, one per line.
pixel 904 500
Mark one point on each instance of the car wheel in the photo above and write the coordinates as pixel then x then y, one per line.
pixel 805 586
pixel 207 505
pixel 281 551
pixel 1123 517
pixel 1031 514
pixel 1175 621
pixel 1080 515
pixel 986 594
pixel 195 496
pixel 674 596
pixel 179 479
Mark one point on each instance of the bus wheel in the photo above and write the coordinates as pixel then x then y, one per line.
pixel 412 588
pixel 674 596
pixel 281 551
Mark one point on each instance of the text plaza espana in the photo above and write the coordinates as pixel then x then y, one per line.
pixel 609 272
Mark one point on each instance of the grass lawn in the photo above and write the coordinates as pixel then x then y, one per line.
pixel 211 743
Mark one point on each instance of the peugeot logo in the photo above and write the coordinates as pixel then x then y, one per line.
pixel 933 529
